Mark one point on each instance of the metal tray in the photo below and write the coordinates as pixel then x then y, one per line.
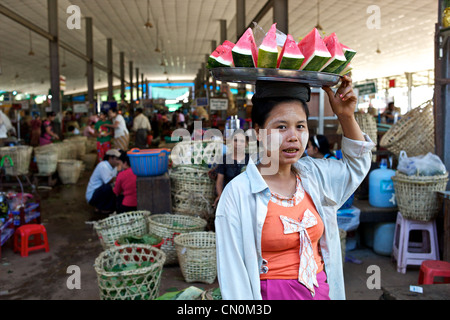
pixel 250 75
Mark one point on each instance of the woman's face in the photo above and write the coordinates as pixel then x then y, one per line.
pixel 239 143
pixel 287 129
pixel 111 114
pixel 312 151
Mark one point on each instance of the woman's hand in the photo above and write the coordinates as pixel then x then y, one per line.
pixel 343 102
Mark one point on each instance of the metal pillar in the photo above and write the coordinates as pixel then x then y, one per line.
pixel 131 85
pixel 223 30
pixel 142 84
pixel 240 18
pixel 122 75
pixel 110 69
pixel 54 55
pixel 281 15
pixel 137 84
pixel 442 91
pixel 409 80
pixel 90 63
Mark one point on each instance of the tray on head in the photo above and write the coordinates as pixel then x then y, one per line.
pixel 251 75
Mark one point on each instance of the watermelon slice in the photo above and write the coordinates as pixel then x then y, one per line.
pixel 346 69
pixel 349 54
pixel 245 52
pixel 268 51
pixel 221 57
pixel 290 57
pixel 315 51
pixel 337 55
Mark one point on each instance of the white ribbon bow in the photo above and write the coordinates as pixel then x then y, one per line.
pixel 307 272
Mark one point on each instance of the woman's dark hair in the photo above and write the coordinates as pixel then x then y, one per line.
pixel 262 107
pixel 321 142
pixel 51 114
pixel 124 157
pixel 113 109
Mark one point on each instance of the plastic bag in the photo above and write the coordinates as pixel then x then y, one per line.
pixel 259 34
pixel 423 165
pixel 348 219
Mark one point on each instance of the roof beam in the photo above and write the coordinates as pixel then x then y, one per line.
pixel 47 35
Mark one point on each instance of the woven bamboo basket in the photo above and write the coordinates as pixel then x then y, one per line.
pixel 196 253
pixel 167 226
pixel 71 149
pixel 47 162
pixel 91 145
pixel 133 223
pixel 69 171
pixel 417 195
pixel 80 143
pixel 89 160
pixel 414 132
pixel 141 283
pixel 368 125
pixel 21 158
pixel 192 191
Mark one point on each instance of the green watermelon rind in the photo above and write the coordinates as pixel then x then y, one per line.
pixel 314 63
pixel 291 63
pixel 332 65
pixel 243 60
pixel 349 55
pixel 267 58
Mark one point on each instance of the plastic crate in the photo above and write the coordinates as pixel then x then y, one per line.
pixel 149 162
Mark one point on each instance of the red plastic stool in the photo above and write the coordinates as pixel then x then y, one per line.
pixel 434 268
pixel 25 245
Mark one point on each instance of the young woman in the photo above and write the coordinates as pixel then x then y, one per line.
pixel 276 229
pixel 121 134
pixel 319 147
pixel 125 186
pixel 103 134
pixel 47 131
pixel 233 163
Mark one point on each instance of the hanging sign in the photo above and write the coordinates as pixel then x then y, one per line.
pixel 218 104
pixel 366 88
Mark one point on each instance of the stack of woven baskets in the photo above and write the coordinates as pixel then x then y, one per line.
pixel 20 157
pixel 187 244
pixel 417 197
pixel 141 277
pixel 184 242
pixel 414 133
pixel 192 190
pixel 46 159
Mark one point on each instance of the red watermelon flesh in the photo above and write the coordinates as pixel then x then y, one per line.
pixel 315 51
pixel 245 52
pixel 221 57
pixel 290 57
pixel 337 55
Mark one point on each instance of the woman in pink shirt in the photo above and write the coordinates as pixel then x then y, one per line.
pixel 125 187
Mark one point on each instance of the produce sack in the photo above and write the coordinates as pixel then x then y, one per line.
pixel 423 165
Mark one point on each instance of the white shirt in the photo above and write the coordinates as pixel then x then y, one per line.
pixel 121 130
pixel 5 125
pixel 242 210
pixel 141 122
pixel 102 174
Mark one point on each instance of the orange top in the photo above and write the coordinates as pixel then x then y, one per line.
pixel 281 251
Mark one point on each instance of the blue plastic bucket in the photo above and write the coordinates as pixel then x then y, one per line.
pixel 150 162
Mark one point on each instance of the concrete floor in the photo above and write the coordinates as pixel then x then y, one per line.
pixel 43 275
